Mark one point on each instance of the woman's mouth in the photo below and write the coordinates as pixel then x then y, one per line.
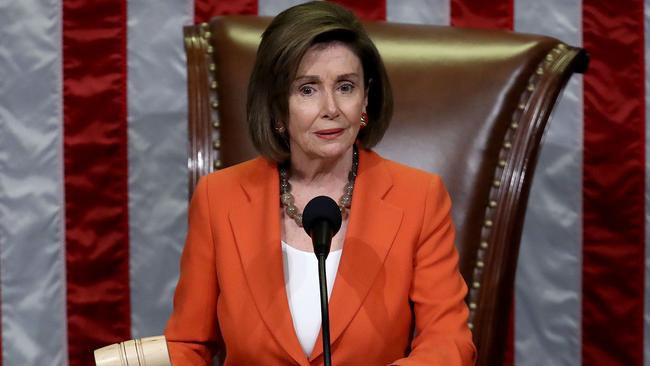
pixel 329 134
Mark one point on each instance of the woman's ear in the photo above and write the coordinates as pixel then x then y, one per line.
pixel 365 95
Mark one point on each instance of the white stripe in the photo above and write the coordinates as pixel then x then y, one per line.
pixel 157 132
pixel 32 268
pixel 418 11
pixel 548 281
pixel 273 7
pixel 646 312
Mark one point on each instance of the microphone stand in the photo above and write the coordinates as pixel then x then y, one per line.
pixel 321 221
pixel 325 317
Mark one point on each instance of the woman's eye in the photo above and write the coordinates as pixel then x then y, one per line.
pixel 346 88
pixel 307 90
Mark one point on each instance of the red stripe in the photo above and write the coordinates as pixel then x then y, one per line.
pixel 613 184
pixel 366 9
pixel 482 14
pixel 488 14
pixel 95 161
pixel 204 10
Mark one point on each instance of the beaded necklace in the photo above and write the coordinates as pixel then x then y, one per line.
pixel 288 201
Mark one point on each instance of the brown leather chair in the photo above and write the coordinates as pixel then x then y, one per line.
pixel 470 105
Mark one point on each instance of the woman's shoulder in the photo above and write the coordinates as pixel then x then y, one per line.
pixel 234 174
pixel 405 175
pixel 415 188
pixel 228 181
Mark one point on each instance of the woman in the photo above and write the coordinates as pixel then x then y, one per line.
pixel 318 100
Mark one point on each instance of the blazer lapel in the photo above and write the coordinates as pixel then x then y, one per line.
pixel 256 226
pixel 371 231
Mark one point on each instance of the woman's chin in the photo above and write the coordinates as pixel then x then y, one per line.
pixel 333 151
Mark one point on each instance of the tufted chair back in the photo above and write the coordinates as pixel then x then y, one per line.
pixel 470 105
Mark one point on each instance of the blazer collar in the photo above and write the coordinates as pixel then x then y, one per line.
pixel 371 232
pixel 256 227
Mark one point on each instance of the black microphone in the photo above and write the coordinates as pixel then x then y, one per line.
pixel 322 220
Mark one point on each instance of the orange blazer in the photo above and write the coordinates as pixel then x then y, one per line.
pixel 398 294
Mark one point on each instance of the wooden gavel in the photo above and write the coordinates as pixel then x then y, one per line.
pixel 151 351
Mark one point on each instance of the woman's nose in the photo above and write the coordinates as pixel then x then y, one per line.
pixel 330 107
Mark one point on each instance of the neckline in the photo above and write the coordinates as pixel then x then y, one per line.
pixel 304 252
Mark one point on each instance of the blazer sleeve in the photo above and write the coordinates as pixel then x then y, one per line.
pixel 192 331
pixel 437 293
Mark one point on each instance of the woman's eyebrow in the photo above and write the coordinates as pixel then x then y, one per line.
pixel 351 75
pixel 310 78
pixel 315 78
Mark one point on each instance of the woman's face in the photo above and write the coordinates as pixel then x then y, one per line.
pixel 325 102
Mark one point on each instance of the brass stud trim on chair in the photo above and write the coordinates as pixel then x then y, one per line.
pixel 494 192
pixel 206 35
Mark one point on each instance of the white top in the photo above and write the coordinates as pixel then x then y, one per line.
pixel 301 283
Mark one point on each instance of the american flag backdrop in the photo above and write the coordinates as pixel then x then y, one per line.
pixel 93 176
